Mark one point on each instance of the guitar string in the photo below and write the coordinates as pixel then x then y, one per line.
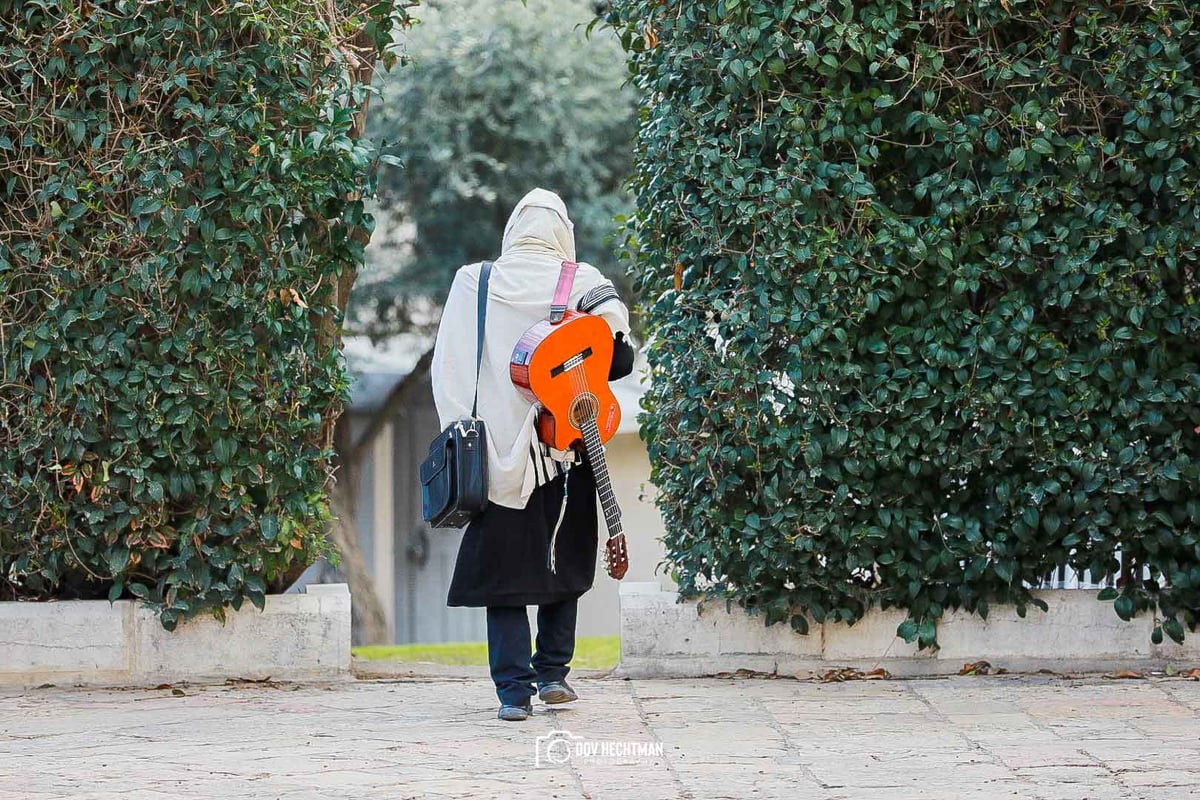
pixel 579 384
pixel 591 434
pixel 607 499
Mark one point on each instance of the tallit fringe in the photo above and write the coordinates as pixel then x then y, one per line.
pixel 562 512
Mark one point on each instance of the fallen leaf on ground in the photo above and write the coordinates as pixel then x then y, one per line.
pixel 744 672
pixel 852 674
pixel 1124 674
pixel 264 683
pixel 976 668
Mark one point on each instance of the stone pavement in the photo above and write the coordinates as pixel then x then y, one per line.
pixel 436 737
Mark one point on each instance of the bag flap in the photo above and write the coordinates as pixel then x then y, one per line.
pixel 439 448
pixel 435 462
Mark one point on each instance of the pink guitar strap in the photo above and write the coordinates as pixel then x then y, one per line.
pixel 562 294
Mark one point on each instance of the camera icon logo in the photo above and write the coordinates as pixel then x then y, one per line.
pixel 555 748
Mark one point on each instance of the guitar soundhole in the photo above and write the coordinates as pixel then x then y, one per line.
pixel 584 408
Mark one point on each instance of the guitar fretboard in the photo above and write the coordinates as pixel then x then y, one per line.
pixel 595 453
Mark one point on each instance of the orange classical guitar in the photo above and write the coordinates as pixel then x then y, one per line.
pixel 562 363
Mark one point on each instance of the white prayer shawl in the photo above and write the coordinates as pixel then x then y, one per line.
pixel 537 239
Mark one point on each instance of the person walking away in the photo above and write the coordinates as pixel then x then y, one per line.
pixel 539 498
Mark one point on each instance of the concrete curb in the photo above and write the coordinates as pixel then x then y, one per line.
pixel 386 670
pixel 97 643
pixel 663 638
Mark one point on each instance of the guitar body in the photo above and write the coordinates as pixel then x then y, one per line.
pixel 564 368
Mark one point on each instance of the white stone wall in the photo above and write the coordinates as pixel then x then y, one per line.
pixel 661 637
pixel 97 643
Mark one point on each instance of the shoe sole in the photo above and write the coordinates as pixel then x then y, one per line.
pixel 556 696
pixel 521 718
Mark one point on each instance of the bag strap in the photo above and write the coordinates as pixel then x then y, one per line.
pixel 562 294
pixel 485 273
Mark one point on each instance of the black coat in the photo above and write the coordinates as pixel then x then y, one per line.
pixel 504 556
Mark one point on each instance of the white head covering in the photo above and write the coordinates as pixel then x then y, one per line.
pixel 537 239
pixel 539 225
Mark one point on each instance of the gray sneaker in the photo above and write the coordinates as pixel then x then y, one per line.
pixel 556 692
pixel 515 713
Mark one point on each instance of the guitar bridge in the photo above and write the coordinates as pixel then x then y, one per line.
pixel 571 363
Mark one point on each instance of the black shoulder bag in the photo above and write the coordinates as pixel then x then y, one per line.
pixel 454 476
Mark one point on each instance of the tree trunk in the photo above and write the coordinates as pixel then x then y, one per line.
pixel 369 622
pixel 368 619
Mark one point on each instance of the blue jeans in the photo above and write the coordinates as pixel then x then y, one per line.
pixel 513 671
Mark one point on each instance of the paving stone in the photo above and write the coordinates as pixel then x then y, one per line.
pixel 437 737
pixel 1041 754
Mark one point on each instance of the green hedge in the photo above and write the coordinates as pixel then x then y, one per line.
pixel 178 185
pixel 921 282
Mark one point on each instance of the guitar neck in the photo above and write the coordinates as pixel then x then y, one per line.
pixel 595 454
